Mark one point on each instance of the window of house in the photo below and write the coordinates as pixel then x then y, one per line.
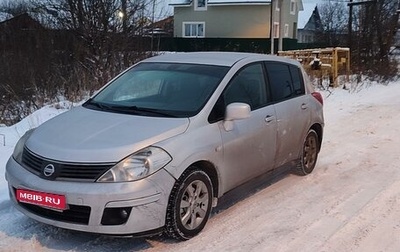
pixel 276 30
pixel 293 7
pixel 286 33
pixel 193 29
pixel 200 5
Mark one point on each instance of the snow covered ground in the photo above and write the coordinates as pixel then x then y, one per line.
pixel 351 202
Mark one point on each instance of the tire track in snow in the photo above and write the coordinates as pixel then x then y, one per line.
pixel 371 225
pixel 368 176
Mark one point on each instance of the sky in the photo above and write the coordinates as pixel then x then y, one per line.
pixel 304 15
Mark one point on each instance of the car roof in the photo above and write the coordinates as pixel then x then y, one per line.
pixel 215 58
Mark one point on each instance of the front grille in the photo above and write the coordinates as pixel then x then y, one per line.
pixel 75 214
pixel 64 171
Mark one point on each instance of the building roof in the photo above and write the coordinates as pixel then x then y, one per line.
pixel 21 22
pixel 4 16
pixel 220 2
pixel 164 27
pixel 233 2
pixel 314 23
pixel 180 2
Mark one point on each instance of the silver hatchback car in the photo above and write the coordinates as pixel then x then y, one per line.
pixel 156 147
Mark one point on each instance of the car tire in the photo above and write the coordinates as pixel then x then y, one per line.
pixel 189 205
pixel 309 154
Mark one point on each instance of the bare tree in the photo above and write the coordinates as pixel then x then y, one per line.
pixel 108 33
pixel 15 7
pixel 81 44
pixel 334 16
pixel 25 62
pixel 374 27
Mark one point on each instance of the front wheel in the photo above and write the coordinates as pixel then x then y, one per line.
pixel 189 205
pixel 309 154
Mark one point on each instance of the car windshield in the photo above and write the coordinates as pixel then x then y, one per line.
pixel 160 89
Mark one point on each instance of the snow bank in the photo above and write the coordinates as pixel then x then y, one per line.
pixel 10 135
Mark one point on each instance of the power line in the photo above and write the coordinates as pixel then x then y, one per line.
pixel 361 3
pixel 336 1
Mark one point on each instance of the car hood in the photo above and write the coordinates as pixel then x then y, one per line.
pixel 85 135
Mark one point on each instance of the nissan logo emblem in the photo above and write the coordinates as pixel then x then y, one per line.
pixel 49 170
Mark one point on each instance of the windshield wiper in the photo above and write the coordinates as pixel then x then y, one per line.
pixel 101 106
pixel 126 109
pixel 136 109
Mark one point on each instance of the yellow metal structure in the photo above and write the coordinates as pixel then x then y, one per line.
pixel 323 62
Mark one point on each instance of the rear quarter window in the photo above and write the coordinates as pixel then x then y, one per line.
pixel 285 81
pixel 297 80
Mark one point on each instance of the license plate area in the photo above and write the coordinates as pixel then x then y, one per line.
pixel 48 200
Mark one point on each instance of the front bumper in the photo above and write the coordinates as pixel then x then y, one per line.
pixel 146 200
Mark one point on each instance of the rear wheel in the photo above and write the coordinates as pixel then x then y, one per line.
pixel 309 154
pixel 189 205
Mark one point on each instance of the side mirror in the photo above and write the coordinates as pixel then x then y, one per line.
pixel 235 111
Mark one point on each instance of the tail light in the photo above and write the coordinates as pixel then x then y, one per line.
pixel 318 96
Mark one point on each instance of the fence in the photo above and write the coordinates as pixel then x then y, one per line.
pixel 257 45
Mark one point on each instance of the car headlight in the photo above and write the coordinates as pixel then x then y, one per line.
pixel 19 147
pixel 137 166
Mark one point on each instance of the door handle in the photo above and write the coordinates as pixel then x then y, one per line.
pixel 304 106
pixel 269 118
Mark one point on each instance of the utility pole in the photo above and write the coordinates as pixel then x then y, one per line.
pixel 152 25
pixel 123 15
pixel 281 26
pixel 350 28
pixel 398 7
pixel 350 24
pixel 351 4
pixel 271 27
pixel 397 37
